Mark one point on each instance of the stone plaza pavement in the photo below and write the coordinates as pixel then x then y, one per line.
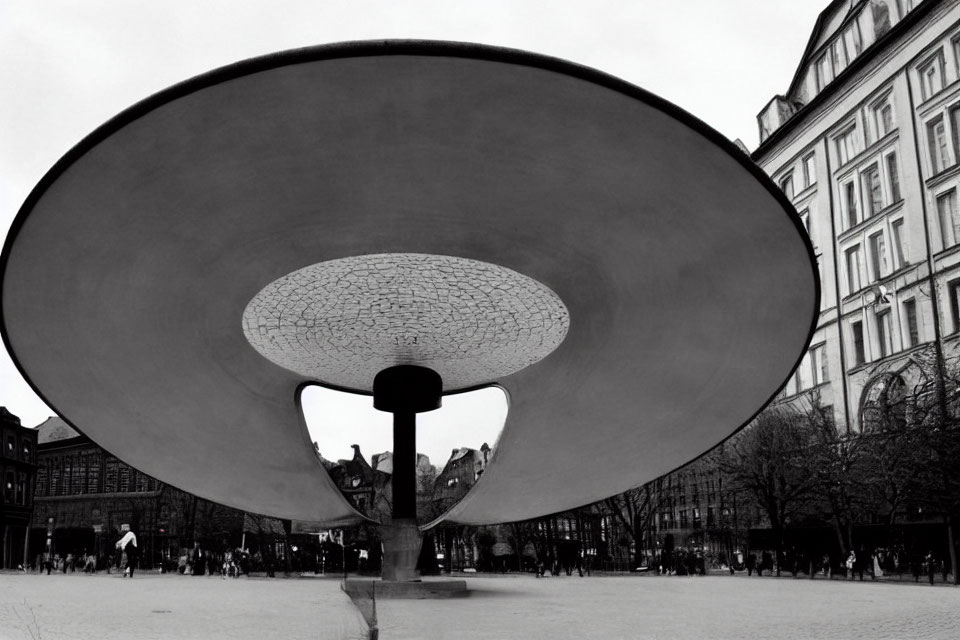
pixel 158 607
pixel 677 608
pixel 151 606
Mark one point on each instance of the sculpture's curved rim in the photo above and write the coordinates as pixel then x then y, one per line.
pixel 354 49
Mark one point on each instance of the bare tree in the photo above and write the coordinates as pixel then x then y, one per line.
pixel 770 461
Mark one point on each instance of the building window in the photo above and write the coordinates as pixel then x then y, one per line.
pixel 42 481
pixel 883 333
pixel 956 50
pixel 910 318
pixel 838 57
pixel 27 452
pixel 853 269
pixel 11 447
pixel 947 213
pixel 21 497
pixel 8 487
pixel 66 477
pixel 824 72
pixel 853 40
pixel 77 476
pixel 878 256
pixel 786 185
pixel 818 364
pixel 872 191
pixel 937 139
pixel 850 203
pixel 893 176
pixel 883 117
pixel 846 145
pixel 809 170
pixel 896 228
pixel 452 482
pixel 111 475
pixel 931 76
pixel 955 130
pixel 859 355
pixel 954 291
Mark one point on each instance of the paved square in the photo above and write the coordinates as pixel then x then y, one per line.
pixel 155 606
pixel 677 608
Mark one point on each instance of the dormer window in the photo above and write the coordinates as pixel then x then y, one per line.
pixel 824 72
pixel 355 481
pixel 452 482
pixel 853 40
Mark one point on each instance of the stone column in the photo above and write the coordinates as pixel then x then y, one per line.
pixel 405 391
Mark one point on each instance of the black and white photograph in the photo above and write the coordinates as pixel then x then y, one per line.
pixel 471 320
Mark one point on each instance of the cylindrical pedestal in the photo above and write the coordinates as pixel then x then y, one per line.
pixel 405 391
pixel 401 548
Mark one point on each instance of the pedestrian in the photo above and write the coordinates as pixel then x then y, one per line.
pixel 851 561
pixel 877 571
pixel 128 546
pixel 751 564
pixel 931 563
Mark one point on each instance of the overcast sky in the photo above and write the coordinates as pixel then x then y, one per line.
pixel 67 67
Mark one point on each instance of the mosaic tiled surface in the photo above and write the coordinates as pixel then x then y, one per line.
pixel 343 321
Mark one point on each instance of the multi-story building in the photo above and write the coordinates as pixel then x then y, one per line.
pixel 83 496
pixel 17 473
pixel 865 143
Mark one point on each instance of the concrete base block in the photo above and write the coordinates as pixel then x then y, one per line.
pixel 401 549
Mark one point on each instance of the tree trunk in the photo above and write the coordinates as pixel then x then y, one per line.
pixel 838 529
pixel 953 550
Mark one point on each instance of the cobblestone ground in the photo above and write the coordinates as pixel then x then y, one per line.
pixel 629 607
pixel 152 606
pixel 677 608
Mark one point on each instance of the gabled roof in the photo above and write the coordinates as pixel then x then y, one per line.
pixel 828 22
pixel 54 429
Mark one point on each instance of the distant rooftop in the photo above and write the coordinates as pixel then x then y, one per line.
pixel 53 429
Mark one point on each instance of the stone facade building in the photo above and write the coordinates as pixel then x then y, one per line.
pixel 17 473
pixel 865 142
pixel 83 495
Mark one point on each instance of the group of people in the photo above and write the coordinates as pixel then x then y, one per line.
pixel 91 563
pixel 569 557
pixel 682 562
pixel 228 564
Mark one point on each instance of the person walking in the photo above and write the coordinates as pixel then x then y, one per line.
pixel 128 546
pixel 851 562
pixel 877 571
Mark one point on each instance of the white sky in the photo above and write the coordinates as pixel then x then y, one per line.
pixel 67 67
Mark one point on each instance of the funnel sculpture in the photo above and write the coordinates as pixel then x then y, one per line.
pixel 635 283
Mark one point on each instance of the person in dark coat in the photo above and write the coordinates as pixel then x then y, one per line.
pixel 128 547
pixel 751 564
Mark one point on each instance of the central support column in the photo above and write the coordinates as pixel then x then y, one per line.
pixel 405 391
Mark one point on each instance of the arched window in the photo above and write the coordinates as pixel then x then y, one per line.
pixel 883 405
